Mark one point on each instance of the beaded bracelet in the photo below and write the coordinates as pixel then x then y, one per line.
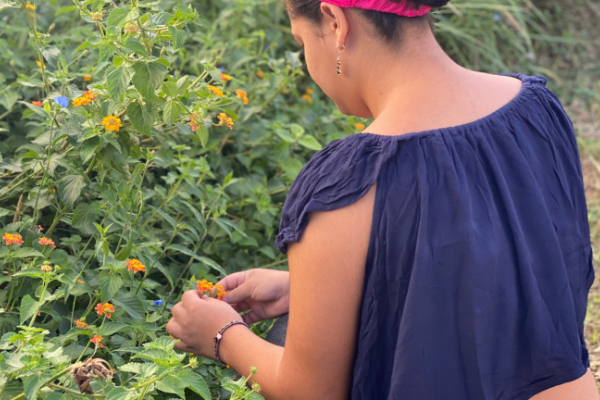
pixel 217 339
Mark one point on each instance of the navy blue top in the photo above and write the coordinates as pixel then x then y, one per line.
pixel 479 261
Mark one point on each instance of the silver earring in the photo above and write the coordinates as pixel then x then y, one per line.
pixel 339 71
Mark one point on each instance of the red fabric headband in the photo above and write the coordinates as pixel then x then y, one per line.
pixel 402 8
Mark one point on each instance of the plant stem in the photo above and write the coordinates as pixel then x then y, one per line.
pixel 71 391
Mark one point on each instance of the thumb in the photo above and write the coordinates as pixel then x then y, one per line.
pixel 238 294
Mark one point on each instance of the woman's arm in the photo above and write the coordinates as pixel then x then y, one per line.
pixel 326 280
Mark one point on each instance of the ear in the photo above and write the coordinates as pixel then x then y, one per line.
pixel 336 21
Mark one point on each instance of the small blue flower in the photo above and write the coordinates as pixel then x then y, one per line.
pixel 62 101
pixel 158 303
pixel 496 17
pixel 221 68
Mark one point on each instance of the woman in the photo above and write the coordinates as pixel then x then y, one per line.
pixel 444 253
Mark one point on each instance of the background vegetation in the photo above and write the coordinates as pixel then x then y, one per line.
pixel 192 182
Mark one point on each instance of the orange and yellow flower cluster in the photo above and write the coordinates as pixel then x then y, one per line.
pixel 135 265
pixel 111 123
pixel 87 78
pixel 306 96
pixel 218 92
pixel 84 100
pixel 359 126
pixel 37 103
pixel 225 77
pixel 9 238
pixel 194 122
pixel 30 6
pixel 242 95
pixel 81 324
pixel 47 242
pixel 224 119
pixel 204 287
pixel 96 340
pixel 105 308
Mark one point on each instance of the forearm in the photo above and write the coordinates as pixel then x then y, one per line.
pixel 241 349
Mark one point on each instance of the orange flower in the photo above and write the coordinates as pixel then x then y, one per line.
pixel 81 101
pixel 220 292
pixel 79 281
pixel 242 95
pixel 307 98
pixel 30 6
pixel 111 123
pixel 224 119
pixel 40 228
pixel 204 286
pixel 83 325
pixel 87 78
pixel 225 77
pixel 194 122
pixel 218 92
pixel 105 308
pixel 47 242
pixel 135 265
pixel 359 126
pixel 259 73
pixel 37 103
pixel 96 340
pixel 309 90
pixel 97 16
pixel 89 94
pixel 12 239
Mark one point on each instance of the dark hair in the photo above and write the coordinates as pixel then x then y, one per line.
pixel 387 25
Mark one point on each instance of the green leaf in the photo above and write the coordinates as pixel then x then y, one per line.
pixel 132 305
pixel 25 252
pixel 171 111
pixel 118 79
pixel 70 187
pixel 172 384
pixel 196 383
pixel 29 307
pixel 291 166
pixel 38 110
pixel 310 142
pixel 177 36
pixel 133 44
pixel 117 17
pixel 207 261
pixel 88 148
pixel 32 384
pixel 227 223
pixel 119 393
pixel 60 257
pixel 142 117
pixel 202 133
pixel 110 328
pixel 11 388
pixel 148 75
pixel 124 253
pixel 8 99
pixel 106 50
pixel 284 134
pixel 109 285
pixel 170 89
pixel 86 214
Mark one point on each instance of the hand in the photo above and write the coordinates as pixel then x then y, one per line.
pixel 196 321
pixel 264 291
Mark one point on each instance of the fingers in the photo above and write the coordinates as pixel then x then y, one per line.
pixel 173 328
pixel 232 281
pixel 191 299
pixel 241 293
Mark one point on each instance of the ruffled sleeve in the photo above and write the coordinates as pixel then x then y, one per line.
pixel 336 176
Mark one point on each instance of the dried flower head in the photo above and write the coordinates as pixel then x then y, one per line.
pixel 131 28
pixel 224 119
pixel 10 238
pixel 135 265
pixel 46 268
pixel 111 123
pixel 105 308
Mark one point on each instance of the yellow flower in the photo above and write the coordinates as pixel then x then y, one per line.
pixel 97 16
pixel 111 123
pixel 87 78
pixel 242 95
pixel 359 126
pixel 225 77
pixel 79 281
pixel 307 98
pixel 81 101
pixel 218 92
pixel 309 90
pixel 224 119
pixel 30 6
pixel 12 238
pixel 135 265
pixel 39 64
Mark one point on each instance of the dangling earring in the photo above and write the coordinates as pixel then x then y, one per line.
pixel 339 71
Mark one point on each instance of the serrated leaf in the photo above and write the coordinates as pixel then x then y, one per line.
pixel 170 88
pixel 119 393
pixel 118 79
pixel 132 305
pixel 109 285
pixel 133 44
pixel 310 142
pixel 285 135
pixel 70 187
pixel 110 328
pixel 202 133
pixel 117 17
pixel 60 257
pixel 196 383
pixel 106 50
pixel 29 307
pixel 32 384
pixel 148 75
pixel 172 384
pixel 291 166
pixel 86 214
pixel 88 149
pixel 177 36
pixel 171 111
pixel 142 117
pixel 25 252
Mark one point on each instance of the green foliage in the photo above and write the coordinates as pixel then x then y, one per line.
pixel 141 164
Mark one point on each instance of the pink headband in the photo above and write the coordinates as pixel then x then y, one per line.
pixel 401 8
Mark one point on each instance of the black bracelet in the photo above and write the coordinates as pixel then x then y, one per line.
pixel 217 339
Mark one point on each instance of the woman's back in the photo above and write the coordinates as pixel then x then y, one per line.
pixel 479 261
